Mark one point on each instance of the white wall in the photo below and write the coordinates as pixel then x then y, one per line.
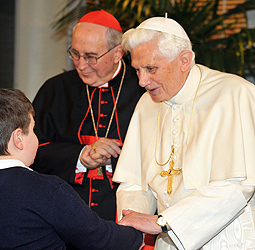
pixel 39 52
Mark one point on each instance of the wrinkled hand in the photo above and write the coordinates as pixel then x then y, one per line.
pixel 145 223
pixel 99 153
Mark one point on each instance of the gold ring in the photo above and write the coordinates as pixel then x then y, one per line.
pixel 94 147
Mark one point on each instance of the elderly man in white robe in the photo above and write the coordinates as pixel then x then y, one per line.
pixel 189 154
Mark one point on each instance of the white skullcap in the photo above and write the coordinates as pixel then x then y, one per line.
pixel 166 25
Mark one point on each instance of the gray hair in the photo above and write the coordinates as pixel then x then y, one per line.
pixel 169 45
pixel 113 37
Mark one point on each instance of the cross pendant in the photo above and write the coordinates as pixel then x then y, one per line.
pixel 170 173
pixel 99 171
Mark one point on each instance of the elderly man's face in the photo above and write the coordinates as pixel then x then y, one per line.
pixel 161 78
pixel 89 38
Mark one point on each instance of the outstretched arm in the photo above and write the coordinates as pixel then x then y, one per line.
pixel 143 222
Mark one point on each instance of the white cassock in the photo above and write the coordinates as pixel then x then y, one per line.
pixel 211 123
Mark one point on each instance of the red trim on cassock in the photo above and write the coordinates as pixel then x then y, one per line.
pixel 109 176
pixel 149 241
pixel 92 174
pixel 43 144
pixel 90 139
pixel 79 177
pixel 99 106
pixel 116 117
pixel 79 131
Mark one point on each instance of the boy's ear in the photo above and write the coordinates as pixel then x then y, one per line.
pixel 17 136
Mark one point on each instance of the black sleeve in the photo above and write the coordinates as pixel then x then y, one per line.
pixel 57 124
pixel 78 225
pixel 57 158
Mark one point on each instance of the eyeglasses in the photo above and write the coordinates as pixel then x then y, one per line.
pixel 90 59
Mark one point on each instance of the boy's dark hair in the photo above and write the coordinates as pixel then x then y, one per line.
pixel 15 110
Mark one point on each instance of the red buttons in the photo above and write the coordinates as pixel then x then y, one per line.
pixel 103 115
pixel 101 126
pixel 92 204
pixel 104 89
pixel 103 102
pixel 94 190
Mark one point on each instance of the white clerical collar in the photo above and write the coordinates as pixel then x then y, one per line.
pixel 10 163
pixel 116 73
pixel 188 89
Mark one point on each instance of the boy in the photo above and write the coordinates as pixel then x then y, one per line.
pixel 39 211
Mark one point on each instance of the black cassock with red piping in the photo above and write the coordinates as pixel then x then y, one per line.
pixel 64 125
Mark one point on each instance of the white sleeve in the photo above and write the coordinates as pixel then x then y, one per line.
pixel 131 196
pixel 79 167
pixel 200 216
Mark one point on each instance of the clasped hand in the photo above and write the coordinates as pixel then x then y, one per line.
pixel 99 153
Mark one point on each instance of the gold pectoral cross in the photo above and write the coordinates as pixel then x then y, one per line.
pixel 171 172
pixel 99 171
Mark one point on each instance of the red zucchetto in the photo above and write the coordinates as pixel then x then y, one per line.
pixel 103 18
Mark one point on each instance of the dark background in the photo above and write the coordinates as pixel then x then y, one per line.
pixel 7 39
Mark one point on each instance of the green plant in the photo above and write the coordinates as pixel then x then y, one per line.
pixel 233 54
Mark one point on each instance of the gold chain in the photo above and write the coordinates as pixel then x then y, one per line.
pixel 193 106
pixel 160 164
pixel 91 110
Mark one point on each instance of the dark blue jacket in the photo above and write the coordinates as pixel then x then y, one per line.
pixel 44 212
